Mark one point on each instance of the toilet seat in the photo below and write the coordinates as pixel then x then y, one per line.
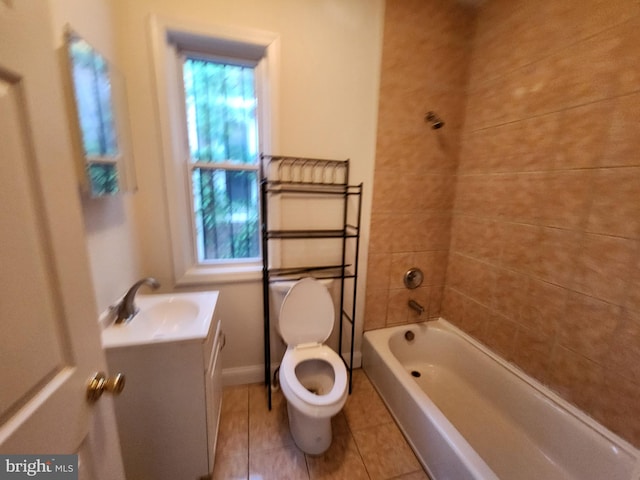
pixel 306 320
pixel 289 380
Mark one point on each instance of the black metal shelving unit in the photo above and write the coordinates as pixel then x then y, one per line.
pixel 301 178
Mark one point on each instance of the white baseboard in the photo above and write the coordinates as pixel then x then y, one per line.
pixel 243 375
pixel 255 373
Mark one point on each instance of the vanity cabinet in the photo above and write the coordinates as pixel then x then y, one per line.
pixel 169 412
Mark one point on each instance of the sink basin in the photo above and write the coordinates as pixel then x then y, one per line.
pixel 164 318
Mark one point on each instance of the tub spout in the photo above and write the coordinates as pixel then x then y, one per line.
pixel 416 306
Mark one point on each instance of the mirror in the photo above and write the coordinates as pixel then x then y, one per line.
pixel 102 134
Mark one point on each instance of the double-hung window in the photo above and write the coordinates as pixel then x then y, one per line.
pixel 216 86
pixel 222 131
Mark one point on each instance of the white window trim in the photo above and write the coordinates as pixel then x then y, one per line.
pixel 186 269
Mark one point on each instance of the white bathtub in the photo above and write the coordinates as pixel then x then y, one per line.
pixel 471 415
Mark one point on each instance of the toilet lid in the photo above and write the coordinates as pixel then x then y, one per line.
pixel 307 313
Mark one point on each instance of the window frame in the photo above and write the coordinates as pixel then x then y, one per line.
pixel 170 40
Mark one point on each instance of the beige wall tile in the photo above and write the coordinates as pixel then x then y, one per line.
pixel 476 237
pixel 375 309
pixel 509 296
pixel 433 265
pixel 575 377
pixel 589 326
pixel 544 308
pixel 617 406
pixel 400 263
pixel 499 334
pixel 582 135
pixel 604 267
pixel 379 268
pixel 628 74
pixel 465 312
pixel 624 354
pixel 436 297
pixel 532 352
pixel 424 68
pixel 615 208
pixel 632 301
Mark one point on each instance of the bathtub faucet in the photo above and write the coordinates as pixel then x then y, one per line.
pixel 126 309
pixel 416 306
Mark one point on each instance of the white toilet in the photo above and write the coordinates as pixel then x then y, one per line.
pixel 313 377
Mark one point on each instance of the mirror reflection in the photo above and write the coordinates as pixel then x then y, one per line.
pixel 98 95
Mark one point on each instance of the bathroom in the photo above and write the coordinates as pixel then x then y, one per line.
pixel 522 211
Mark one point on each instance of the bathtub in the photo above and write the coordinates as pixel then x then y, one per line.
pixel 470 415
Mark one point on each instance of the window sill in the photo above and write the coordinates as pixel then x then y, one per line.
pixel 206 275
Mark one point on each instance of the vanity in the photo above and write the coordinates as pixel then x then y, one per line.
pixel 168 414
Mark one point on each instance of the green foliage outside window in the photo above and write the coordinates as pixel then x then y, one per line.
pixel 220 105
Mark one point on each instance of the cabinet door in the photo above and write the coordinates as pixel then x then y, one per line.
pixel 214 395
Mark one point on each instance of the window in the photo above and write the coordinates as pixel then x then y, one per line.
pixel 220 106
pixel 216 86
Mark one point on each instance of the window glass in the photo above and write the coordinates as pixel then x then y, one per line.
pixel 220 106
pixel 221 112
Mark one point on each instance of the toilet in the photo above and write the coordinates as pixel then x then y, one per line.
pixel 313 377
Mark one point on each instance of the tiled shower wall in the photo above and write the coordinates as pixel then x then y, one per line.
pixel 545 245
pixel 424 67
pixel 544 249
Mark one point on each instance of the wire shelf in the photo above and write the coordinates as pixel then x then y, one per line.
pixel 310 176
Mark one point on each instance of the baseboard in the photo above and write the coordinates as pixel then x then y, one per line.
pixel 255 373
pixel 243 375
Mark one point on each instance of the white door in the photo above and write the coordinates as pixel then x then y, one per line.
pixel 49 337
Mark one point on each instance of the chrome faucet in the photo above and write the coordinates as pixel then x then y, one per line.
pixel 416 306
pixel 126 309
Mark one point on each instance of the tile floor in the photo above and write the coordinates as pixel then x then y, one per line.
pixel 255 444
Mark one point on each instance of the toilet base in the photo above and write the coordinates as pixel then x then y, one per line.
pixel 311 435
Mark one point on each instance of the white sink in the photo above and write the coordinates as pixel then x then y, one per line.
pixel 164 318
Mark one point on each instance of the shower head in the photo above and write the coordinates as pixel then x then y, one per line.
pixel 435 120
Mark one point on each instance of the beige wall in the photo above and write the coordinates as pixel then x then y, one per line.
pixel 424 67
pixel 328 87
pixel 545 249
pixel 110 224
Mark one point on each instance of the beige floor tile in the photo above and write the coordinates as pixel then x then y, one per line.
pixel 385 452
pixel 231 467
pixel 255 443
pixel 235 399
pixel 233 434
pixel 268 429
pixel 286 463
pixel 341 462
pixel 339 425
pixel 364 407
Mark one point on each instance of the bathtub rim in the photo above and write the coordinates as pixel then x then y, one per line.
pixel 382 335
